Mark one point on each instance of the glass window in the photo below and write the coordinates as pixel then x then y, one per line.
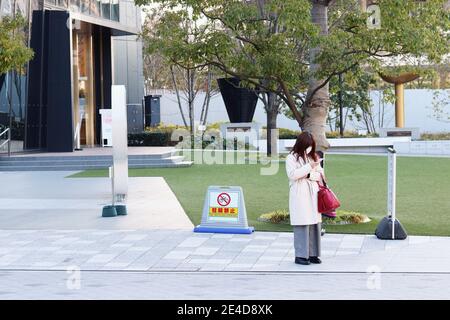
pixel 96 8
pixel 75 5
pixel 22 7
pixel 106 9
pixel 85 6
pixel 36 5
pixel 115 10
pixel 62 3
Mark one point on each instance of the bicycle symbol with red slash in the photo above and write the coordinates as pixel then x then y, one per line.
pixel 223 199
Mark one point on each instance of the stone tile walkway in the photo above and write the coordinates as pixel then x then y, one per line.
pixel 220 286
pixel 183 250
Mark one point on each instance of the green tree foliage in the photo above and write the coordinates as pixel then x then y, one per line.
pixel 13 50
pixel 269 43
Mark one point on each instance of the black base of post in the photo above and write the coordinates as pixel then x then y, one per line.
pixel 109 211
pixel 384 230
pixel 121 209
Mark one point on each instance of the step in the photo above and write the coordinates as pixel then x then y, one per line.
pixel 72 161
pixel 99 157
pixel 91 167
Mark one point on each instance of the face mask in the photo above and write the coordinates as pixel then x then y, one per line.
pixel 308 150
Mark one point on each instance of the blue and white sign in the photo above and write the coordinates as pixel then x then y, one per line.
pixel 224 211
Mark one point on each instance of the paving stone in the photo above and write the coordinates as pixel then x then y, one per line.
pixel 219 261
pixel 8 259
pixel 177 255
pixel 101 258
pixel 222 236
pixel 192 242
pixel 207 251
pixel 239 266
pixel 255 248
pixel 240 239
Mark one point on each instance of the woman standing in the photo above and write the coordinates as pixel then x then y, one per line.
pixel 303 170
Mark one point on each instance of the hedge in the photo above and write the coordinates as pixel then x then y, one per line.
pixel 154 139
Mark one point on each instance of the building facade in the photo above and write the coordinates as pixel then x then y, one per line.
pixel 81 48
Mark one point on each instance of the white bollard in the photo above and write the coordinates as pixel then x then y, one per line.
pixel 120 141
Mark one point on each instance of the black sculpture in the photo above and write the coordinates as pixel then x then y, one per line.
pixel 239 102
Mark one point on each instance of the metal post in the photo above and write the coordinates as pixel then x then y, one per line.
pixel 111 174
pixel 9 142
pixel 9 74
pixel 389 227
pixel 392 168
pixel 341 107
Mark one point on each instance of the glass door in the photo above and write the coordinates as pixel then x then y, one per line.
pixel 84 111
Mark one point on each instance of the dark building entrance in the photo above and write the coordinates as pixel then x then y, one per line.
pixel 81 48
pixel 69 82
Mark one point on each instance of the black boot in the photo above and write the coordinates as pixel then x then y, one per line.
pixel 315 260
pixel 300 260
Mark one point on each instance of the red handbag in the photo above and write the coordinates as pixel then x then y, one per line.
pixel 327 200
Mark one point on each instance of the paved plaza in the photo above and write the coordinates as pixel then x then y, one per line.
pixel 221 286
pixel 51 200
pixel 55 245
pixel 183 250
pixel 178 264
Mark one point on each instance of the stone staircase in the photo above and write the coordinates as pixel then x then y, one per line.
pixel 75 162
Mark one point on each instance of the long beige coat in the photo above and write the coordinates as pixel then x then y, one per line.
pixel 302 191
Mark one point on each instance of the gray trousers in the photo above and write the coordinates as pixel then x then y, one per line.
pixel 307 240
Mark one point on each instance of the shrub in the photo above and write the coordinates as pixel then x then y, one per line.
pixel 277 216
pixel 288 133
pixel 342 217
pixel 163 138
pixel 165 128
pixel 214 125
pixel 219 144
pixel 284 133
pixel 435 136
pixel 350 134
pixel 157 139
pixel 346 217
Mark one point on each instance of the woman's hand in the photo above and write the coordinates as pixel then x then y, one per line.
pixel 315 176
pixel 315 164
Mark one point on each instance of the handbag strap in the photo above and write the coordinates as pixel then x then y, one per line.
pixel 323 181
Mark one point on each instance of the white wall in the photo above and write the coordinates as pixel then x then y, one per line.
pixel 417 112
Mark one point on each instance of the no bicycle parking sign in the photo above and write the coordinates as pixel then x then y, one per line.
pixel 224 211
pixel 223 206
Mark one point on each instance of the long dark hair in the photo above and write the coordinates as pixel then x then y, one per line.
pixel 304 140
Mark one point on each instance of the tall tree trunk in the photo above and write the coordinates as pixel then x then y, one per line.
pixel 206 101
pixel 190 85
pixel 316 108
pixel 177 93
pixel 272 113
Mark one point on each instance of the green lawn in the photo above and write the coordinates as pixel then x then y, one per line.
pixel 423 190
